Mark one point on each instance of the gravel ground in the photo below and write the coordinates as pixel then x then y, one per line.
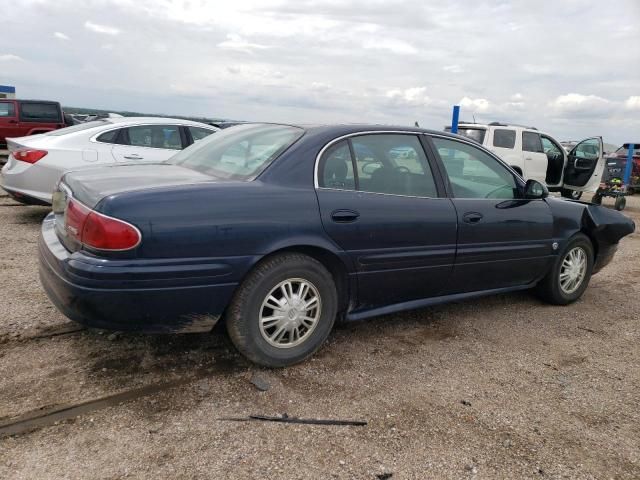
pixel 502 387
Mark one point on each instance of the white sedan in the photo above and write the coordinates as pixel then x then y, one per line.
pixel 37 162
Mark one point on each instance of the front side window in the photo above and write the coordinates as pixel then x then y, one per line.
pixel 504 138
pixel 531 142
pixel 239 153
pixel 39 112
pixel 7 109
pixel 473 173
pixel 587 149
pixel 155 136
pixel 198 133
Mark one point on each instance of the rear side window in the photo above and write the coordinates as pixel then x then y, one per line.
pixel 39 112
pixel 155 136
pixel 504 138
pixel 385 163
pixel 475 134
pixel 531 142
pixel 337 168
pixel 7 109
pixel 198 133
pixel 108 137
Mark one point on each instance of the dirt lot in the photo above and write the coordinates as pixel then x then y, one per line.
pixel 501 387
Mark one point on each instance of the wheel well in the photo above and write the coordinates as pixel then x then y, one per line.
pixel 331 262
pixel 594 244
pixel 517 169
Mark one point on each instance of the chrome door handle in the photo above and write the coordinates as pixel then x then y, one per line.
pixel 133 156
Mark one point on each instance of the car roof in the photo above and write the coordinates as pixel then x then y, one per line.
pixel 347 129
pixel 152 120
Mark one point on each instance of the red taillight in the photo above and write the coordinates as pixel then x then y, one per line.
pixel 28 155
pixel 99 231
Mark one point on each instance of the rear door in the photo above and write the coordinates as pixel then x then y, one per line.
pixel 148 143
pixel 381 202
pixel 9 126
pixel 585 165
pixel 503 239
pixel 535 161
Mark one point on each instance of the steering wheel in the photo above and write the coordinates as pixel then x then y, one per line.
pixel 501 187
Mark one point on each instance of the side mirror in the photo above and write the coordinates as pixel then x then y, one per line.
pixel 534 189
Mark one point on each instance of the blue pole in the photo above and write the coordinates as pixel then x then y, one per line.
pixel 454 120
pixel 629 167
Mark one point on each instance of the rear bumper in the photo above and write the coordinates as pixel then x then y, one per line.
pixel 27 183
pixel 145 296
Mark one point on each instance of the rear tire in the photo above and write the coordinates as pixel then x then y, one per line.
pixel 621 202
pixel 572 194
pixel 291 331
pixel 570 274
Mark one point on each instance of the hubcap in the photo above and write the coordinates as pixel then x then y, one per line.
pixel 290 312
pixel 573 270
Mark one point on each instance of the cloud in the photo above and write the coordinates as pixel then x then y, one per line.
pixel 390 44
pixel 60 36
pixel 632 103
pixel 9 57
pixel 576 104
pixel 476 105
pixel 413 97
pixel 453 69
pixel 103 29
pixel 236 42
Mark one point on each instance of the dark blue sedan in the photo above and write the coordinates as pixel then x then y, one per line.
pixel 281 229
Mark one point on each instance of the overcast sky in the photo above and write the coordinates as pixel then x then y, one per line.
pixel 571 67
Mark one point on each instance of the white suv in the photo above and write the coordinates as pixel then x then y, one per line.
pixel 539 156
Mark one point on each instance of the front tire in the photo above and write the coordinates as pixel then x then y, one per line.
pixel 621 202
pixel 283 311
pixel 570 274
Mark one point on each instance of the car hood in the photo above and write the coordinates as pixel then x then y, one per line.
pixel 90 185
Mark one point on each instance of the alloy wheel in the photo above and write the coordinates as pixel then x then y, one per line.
pixel 290 312
pixel 573 270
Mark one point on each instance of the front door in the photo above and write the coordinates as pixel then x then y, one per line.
pixel 503 239
pixel 585 166
pixel 148 143
pixel 379 202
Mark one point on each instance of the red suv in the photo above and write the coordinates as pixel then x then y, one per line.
pixel 28 117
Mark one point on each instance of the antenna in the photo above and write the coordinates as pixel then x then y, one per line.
pixel 474 118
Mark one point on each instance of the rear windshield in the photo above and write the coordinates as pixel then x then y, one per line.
pixel 238 153
pixel 78 128
pixel 39 112
pixel 476 134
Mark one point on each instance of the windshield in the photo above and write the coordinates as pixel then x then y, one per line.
pixel 238 153
pixel 77 128
pixel 476 134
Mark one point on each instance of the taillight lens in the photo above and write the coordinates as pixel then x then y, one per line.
pixel 99 231
pixel 28 155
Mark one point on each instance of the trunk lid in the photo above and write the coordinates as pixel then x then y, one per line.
pixel 90 185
